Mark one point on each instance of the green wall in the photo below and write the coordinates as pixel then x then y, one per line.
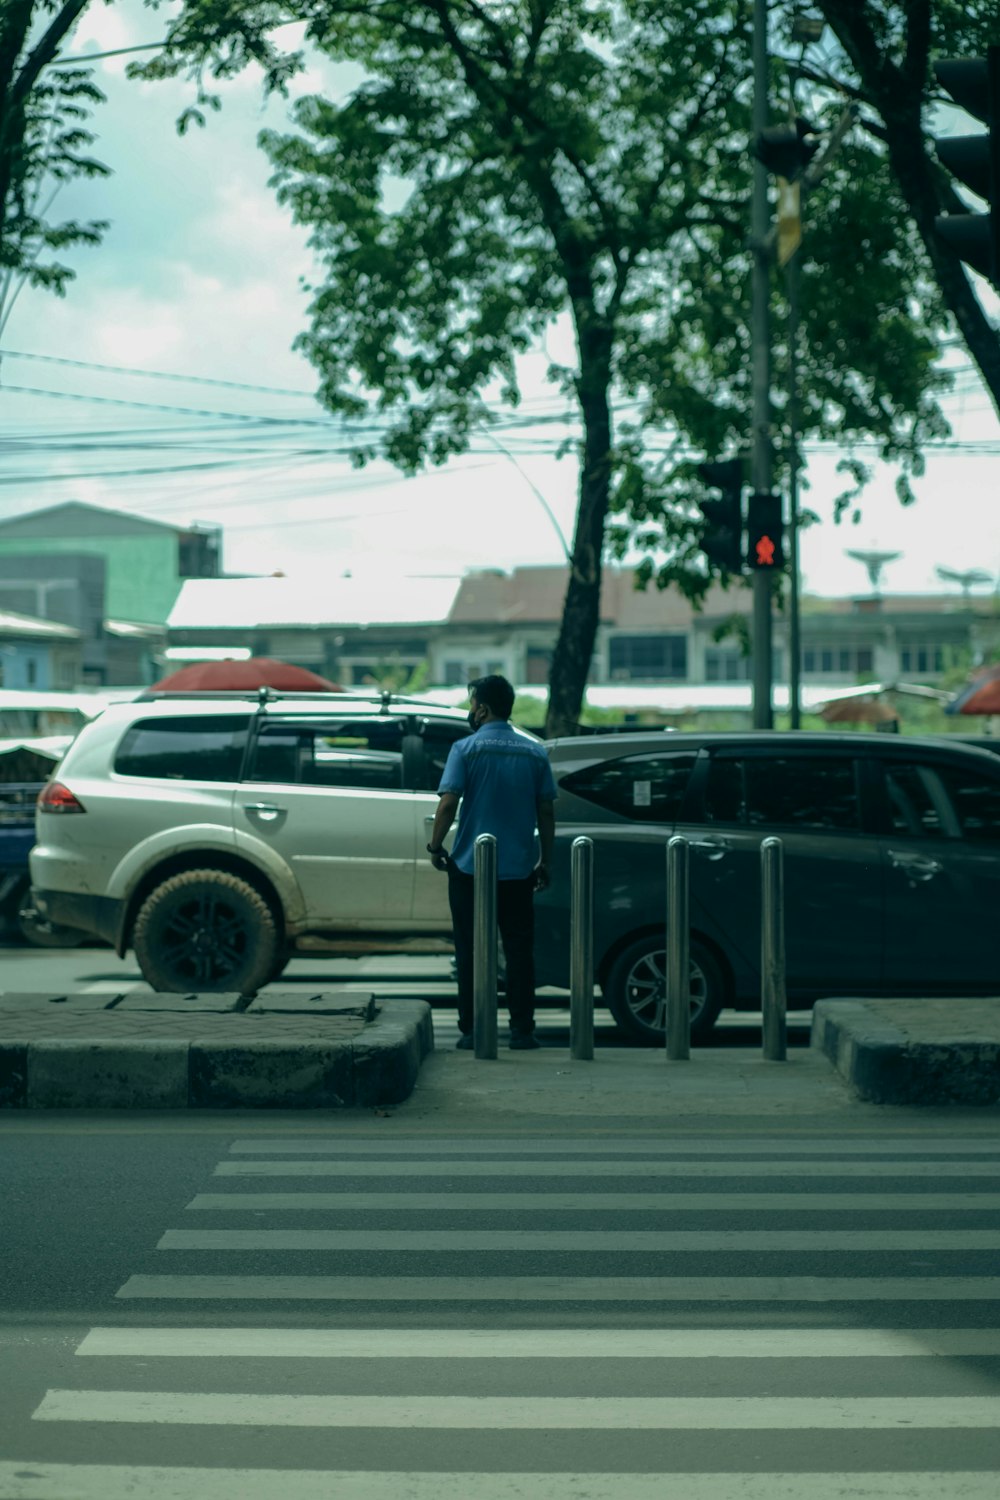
pixel 142 581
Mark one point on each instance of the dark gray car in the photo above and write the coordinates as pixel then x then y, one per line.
pixel 892 866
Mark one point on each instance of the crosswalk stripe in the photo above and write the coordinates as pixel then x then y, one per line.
pixel 568 1288
pixel 588 1241
pixel 661 1202
pixel 581 1146
pixel 41 1481
pixel 521 1413
pixel 483 1170
pixel 540 1343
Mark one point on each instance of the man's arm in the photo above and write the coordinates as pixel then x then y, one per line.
pixel 546 816
pixel 444 817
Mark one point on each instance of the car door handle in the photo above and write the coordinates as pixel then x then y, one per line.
pixel 915 866
pixel 268 812
pixel 712 848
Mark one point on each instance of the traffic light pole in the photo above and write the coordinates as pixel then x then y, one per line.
pixel 761 386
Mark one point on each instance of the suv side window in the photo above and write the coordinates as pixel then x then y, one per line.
pixel 366 755
pixel 437 740
pixel 976 800
pixel 645 788
pixel 918 803
pixel 795 791
pixel 183 749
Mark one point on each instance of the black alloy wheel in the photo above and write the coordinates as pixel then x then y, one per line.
pixel 206 930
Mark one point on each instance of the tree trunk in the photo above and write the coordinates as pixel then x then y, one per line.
pixel 582 606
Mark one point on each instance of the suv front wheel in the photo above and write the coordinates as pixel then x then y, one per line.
pixel 636 991
pixel 206 930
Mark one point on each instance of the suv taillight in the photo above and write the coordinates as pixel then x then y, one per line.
pixel 56 798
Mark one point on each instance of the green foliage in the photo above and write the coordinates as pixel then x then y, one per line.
pixel 44 143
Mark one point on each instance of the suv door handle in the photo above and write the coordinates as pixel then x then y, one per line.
pixel 266 811
pixel 915 866
pixel 716 848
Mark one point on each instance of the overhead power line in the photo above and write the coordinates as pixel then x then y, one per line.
pixel 88 364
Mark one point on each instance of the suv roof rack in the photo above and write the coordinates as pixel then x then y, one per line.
pixel 262 695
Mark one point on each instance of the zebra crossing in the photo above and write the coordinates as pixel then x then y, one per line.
pixel 574 1318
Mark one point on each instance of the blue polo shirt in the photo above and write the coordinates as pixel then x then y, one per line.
pixel 501 775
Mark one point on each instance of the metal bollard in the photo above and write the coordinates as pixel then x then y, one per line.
pixel 581 953
pixel 772 949
pixel 484 948
pixel 678 952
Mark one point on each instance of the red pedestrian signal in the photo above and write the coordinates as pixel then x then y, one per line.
pixel 764 532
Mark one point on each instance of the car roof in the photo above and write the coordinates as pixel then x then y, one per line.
pixel 891 746
pixel 272 704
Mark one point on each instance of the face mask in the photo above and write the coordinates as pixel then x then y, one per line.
pixel 471 716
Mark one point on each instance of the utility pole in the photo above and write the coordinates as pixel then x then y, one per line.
pixel 760 457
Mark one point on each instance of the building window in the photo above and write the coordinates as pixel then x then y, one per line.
pixel 654 658
pixel 31 671
pixel 454 674
pixel 921 657
pixel 537 660
pixel 726 666
pixel 842 661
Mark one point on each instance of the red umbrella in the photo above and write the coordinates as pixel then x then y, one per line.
pixel 243 676
pixel 868 709
pixel 980 695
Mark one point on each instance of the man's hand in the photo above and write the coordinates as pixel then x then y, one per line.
pixel 439 858
pixel 542 877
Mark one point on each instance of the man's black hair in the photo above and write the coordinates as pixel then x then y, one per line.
pixel 494 693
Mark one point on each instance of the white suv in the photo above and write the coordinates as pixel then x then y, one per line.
pixel 213 834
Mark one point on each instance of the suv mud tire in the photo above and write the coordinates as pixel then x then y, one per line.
pixel 637 987
pixel 206 930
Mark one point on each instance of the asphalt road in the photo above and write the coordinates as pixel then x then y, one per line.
pixel 285 1306
pixel 32 970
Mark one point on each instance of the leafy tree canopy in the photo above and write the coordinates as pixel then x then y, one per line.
pixel 45 105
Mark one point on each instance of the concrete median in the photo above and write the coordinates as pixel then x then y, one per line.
pixel 142 1051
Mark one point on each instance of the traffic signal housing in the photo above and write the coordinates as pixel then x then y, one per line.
pixel 786 150
pixel 974 84
pixel 765 533
pixel 722 535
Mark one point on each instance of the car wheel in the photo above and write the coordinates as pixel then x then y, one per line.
pixel 636 991
pixel 206 930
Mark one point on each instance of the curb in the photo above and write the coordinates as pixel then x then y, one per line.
pixel 379 1066
pixel 885 1065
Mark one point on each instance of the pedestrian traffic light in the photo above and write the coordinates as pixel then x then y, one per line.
pixel 722 535
pixel 786 150
pixel 974 84
pixel 764 532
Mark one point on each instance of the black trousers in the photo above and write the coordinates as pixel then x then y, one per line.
pixel 516 921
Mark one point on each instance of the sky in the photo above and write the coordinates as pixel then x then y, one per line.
pixel 165 384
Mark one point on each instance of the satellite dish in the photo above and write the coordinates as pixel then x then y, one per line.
pixel 874 562
pixel 965 579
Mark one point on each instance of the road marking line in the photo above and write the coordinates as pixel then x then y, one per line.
pixel 522 1413
pixel 540 1343
pixel 41 1481
pixel 748 1145
pixel 483 1170
pixel 568 1288
pixel 663 1201
pixel 588 1241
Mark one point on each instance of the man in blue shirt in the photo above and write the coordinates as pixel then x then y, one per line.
pixel 504 782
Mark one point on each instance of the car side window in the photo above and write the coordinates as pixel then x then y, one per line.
pixel 976 800
pixel 645 788
pixel 795 791
pixel 918 803
pixel 366 756
pixel 183 749
pixel 436 742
